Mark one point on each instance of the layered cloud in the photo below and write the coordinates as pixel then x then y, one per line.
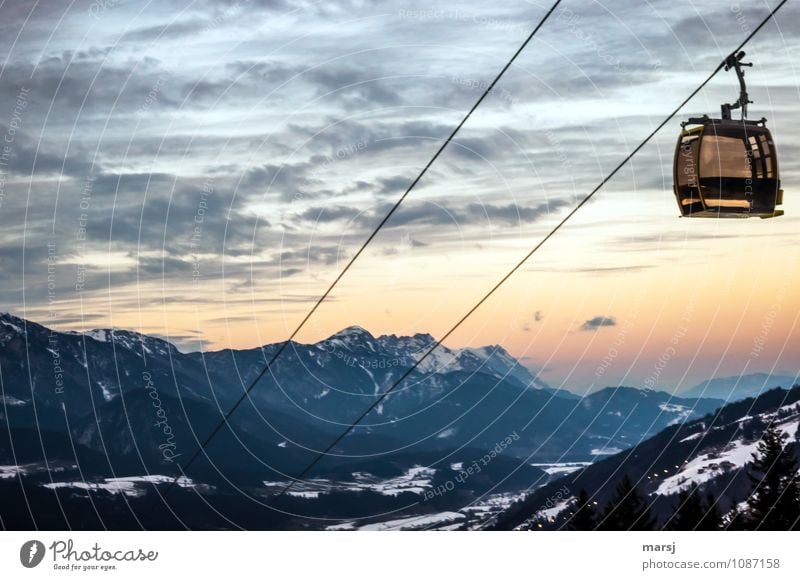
pixel 236 152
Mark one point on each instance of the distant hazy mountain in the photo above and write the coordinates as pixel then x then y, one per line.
pixel 736 388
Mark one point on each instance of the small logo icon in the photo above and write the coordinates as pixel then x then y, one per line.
pixel 31 553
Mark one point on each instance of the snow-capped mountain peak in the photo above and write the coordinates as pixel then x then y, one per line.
pixel 9 320
pixel 492 360
pixel 354 331
pixel 350 339
pixel 130 340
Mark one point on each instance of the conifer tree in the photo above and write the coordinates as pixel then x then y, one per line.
pixel 627 509
pixel 713 517
pixel 774 503
pixel 735 520
pixel 585 517
pixel 693 512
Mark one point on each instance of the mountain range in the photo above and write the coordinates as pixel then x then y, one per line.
pixel 115 411
pixel 740 387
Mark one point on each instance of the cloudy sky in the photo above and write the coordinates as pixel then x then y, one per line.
pixel 201 170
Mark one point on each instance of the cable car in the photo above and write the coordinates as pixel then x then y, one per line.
pixel 726 167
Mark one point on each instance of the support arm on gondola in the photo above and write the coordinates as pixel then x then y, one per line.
pixel 734 61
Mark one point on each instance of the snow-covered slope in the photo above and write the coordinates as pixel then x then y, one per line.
pixel 714 452
pixel 721 459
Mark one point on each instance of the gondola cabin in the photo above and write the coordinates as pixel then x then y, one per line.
pixel 726 167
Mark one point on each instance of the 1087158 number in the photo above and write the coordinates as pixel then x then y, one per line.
pixel 752 563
